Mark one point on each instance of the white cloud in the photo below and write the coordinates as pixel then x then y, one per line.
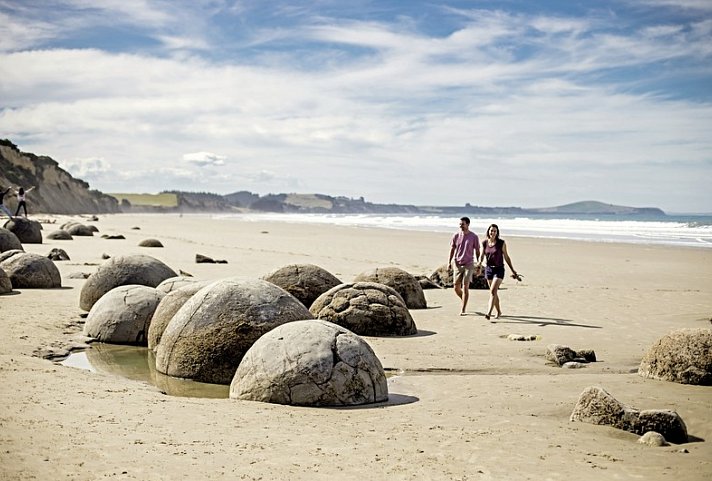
pixel 203 159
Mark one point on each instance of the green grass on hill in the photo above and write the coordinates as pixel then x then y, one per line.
pixel 162 200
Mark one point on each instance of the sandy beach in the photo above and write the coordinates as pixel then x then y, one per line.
pixel 466 404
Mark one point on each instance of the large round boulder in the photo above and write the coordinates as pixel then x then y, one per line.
pixel 5 282
pixel 121 271
pixel 27 231
pixel 173 283
pixel 366 308
pixel 306 282
pixel 404 284
pixel 683 356
pixel 123 315
pixel 9 241
pixel 59 235
pixel 27 270
pixel 310 363
pixel 167 308
pixel 209 335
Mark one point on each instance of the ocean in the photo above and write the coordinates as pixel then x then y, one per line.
pixel 672 230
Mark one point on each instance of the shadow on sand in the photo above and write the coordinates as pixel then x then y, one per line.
pixel 539 321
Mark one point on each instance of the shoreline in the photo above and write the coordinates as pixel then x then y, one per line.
pixel 480 406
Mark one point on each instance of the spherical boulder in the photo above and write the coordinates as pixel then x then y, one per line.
pixel 5 282
pixel 404 283
pixel 27 231
pixel 59 235
pixel 365 308
pixel 169 305
pixel 209 335
pixel 123 315
pixel 310 363
pixel 306 282
pixel 150 243
pixel 9 241
pixel 27 270
pixel 120 271
pixel 80 230
pixel 683 356
pixel 173 283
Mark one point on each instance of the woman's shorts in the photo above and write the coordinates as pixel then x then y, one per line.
pixel 494 271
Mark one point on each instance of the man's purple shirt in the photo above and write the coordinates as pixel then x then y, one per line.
pixel 464 243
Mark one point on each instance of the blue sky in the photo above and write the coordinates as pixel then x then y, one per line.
pixel 493 103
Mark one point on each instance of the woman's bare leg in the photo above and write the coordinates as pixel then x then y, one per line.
pixel 494 297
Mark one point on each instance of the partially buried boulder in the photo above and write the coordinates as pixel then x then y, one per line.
pixel 597 406
pixel 59 235
pixel 150 243
pixel 683 356
pixel 80 230
pixel 123 315
pixel 9 241
pixel 306 282
pixel 365 308
pixel 209 335
pixel 310 363
pixel 5 282
pixel 167 308
pixel 27 231
pixel 58 255
pixel 120 271
pixel 27 270
pixel 404 283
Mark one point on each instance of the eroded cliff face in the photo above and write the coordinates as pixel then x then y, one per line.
pixel 56 191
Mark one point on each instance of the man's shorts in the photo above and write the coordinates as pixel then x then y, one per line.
pixel 465 272
pixel 494 271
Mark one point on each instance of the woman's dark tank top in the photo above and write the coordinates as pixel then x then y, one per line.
pixel 494 255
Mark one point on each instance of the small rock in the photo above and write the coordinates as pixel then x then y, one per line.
pixel 58 255
pixel 573 365
pixel 183 273
pixel 113 237
pixel 201 259
pixel 521 337
pixel 78 275
pixel 105 256
pixel 651 438
pixel 135 228
pixel 150 243
pixel 683 450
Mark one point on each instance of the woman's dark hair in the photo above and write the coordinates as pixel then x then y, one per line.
pixel 22 191
pixel 496 227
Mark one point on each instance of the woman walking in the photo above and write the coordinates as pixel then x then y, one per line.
pixel 494 250
pixel 21 200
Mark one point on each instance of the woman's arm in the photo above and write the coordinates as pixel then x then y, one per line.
pixel 29 189
pixel 509 261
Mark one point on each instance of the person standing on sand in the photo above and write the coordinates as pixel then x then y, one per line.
pixel 462 250
pixel 495 251
pixel 21 200
pixel 2 205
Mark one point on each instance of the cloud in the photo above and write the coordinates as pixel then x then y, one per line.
pixel 89 168
pixel 204 159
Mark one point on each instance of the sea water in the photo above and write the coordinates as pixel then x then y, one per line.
pixel 674 230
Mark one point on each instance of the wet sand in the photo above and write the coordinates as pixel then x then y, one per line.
pixel 470 404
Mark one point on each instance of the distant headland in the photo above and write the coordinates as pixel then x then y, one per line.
pixel 57 192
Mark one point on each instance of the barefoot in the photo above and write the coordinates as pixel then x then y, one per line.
pixel 499 314
pixel 487 316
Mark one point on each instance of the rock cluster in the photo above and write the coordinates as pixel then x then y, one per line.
pixel 683 356
pixel 560 355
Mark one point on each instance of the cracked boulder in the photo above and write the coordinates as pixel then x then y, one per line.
pixel 9 241
pixel 167 308
pixel 365 308
pixel 59 235
pixel 27 231
pixel 27 270
pixel 173 283
pixel 306 282
pixel 207 338
pixel 683 356
pixel 123 315
pixel 404 283
pixel 121 271
pixel 597 406
pixel 310 363
pixel 5 282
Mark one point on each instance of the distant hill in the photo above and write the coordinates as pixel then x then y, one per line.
pixel 56 191
pixel 592 207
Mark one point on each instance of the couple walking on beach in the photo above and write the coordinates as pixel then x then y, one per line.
pixel 461 261
pixel 21 203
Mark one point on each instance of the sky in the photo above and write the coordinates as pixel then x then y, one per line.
pixel 493 103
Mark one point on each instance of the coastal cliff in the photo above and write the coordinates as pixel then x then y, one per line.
pixel 56 191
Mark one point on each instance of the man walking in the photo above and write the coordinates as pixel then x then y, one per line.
pixel 463 247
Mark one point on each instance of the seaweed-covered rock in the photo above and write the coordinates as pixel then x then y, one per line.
pixel 9 241
pixel 683 356
pixel 167 308
pixel 306 282
pixel 365 308
pixel 310 363
pixel 27 231
pixel 597 406
pixel 404 284
pixel 120 271
pixel 209 335
pixel 123 315
pixel 27 270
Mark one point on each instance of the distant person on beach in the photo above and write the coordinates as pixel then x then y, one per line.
pixel 2 205
pixel 463 246
pixel 21 200
pixel 495 251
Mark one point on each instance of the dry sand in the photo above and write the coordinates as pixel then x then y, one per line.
pixel 470 404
